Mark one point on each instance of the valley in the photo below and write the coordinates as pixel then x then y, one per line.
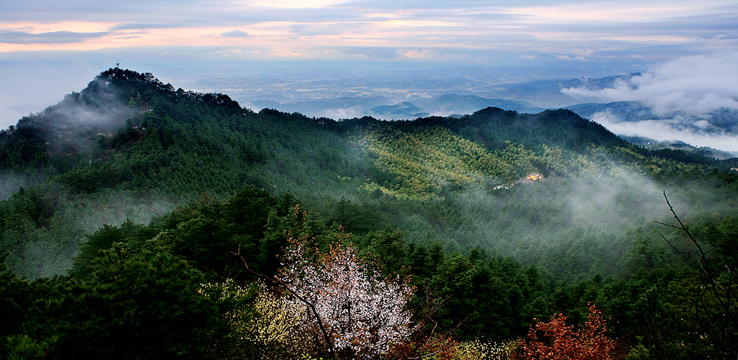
pixel 509 215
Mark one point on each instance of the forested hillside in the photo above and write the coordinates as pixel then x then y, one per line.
pixel 144 214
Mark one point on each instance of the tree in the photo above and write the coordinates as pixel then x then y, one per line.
pixel 145 305
pixel 362 314
pixel 15 297
pixel 263 329
pixel 562 342
pixel 705 302
pixel 351 310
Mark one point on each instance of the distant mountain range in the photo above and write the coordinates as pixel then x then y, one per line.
pixel 446 105
pixel 532 97
pixel 381 108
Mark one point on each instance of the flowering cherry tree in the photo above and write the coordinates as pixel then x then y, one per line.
pixel 351 309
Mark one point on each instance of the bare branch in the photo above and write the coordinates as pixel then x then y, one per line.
pixel 681 225
pixel 302 299
pixel 674 247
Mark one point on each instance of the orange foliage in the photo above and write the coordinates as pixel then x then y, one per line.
pixel 561 342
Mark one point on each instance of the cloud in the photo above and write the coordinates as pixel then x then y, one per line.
pixel 140 26
pixel 693 84
pixel 475 30
pixel 418 53
pixel 664 131
pixel 299 28
pixel 25 109
pixel 296 4
pixel 372 52
pixel 338 114
pixel 234 34
pixel 326 29
pixel 31 85
pixel 287 53
pixel 54 37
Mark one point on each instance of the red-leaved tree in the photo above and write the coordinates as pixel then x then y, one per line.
pixel 562 342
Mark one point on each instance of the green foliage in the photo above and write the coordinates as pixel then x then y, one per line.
pixel 150 299
pixel 102 239
pixel 638 352
pixel 15 298
pixel 167 177
pixel 21 347
pixel 272 330
pixel 434 178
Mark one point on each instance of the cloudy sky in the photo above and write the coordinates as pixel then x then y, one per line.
pixel 49 48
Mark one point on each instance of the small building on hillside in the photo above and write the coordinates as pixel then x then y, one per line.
pixel 532 178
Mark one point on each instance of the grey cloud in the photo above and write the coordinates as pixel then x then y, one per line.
pixel 49 10
pixel 486 14
pixel 704 22
pixel 56 37
pixel 691 27
pixel 437 4
pixel 316 29
pixel 297 29
pixel 148 14
pixel 141 26
pixel 373 52
pixel 234 34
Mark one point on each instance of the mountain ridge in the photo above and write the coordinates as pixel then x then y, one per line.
pixel 177 145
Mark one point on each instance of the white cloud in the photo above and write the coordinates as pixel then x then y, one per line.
pixel 663 131
pixel 417 54
pixel 338 114
pixel 693 84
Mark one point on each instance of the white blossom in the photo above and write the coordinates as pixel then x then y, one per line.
pixel 363 313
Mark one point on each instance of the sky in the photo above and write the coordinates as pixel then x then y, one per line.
pixel 49 48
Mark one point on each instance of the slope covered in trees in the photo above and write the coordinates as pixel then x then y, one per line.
pixel 496 217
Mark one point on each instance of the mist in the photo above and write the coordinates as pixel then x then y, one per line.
pixel 11 181
pixel 550 222
pixel 694 84
pixel 74 124
pixel 665 130
pixel 65 130
pixel 32 84
pixel 47 252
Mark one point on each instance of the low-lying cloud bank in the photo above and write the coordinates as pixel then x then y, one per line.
pixel 664 130
pixel 693 99
pixel 693 84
